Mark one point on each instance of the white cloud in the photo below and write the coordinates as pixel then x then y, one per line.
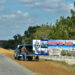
pixel 17 18
pixel 15 23
pixel 48 5
pixel 71 6
pixel 2 1
pixel 25 14
pixel 2 6
pixel 19 12
pixel 8 16
pixel 18 15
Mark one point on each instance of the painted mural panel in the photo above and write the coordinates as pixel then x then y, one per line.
pixel 53 47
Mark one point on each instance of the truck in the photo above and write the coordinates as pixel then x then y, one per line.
pixel 30 55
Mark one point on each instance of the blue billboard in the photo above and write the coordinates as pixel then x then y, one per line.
pixel 43 47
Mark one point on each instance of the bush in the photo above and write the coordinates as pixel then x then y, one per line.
pixel 63 53
pixel 69 54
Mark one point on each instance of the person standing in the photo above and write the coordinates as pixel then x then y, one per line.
pixel 23 52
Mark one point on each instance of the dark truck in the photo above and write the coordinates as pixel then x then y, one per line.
pixel 29 54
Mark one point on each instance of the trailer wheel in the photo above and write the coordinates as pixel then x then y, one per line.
pixel 15 57
pixel 19 58
pixel 30 58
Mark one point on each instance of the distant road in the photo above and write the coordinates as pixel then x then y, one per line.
pixel 10 67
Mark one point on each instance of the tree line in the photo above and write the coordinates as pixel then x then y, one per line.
pixel 63 29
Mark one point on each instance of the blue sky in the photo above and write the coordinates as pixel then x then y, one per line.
pixel 17 15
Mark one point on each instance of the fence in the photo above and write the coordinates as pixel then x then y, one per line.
pixel 68 59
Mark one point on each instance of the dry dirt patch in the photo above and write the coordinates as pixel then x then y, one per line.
pixel 40 68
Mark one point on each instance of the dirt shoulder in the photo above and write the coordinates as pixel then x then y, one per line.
pixel 42 67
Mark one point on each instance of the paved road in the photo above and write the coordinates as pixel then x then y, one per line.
pixel 10 67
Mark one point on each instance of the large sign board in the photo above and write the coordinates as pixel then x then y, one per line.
pixel 44 47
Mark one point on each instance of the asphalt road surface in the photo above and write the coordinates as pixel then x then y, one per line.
pixel 10 67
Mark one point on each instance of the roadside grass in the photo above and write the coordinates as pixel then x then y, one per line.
pixel 63 64
pixel 43 67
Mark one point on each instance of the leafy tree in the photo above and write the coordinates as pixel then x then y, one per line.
pixel 42 32
pixel 30 31
pixel 10 44
pixel 28 35
pixel 17 39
